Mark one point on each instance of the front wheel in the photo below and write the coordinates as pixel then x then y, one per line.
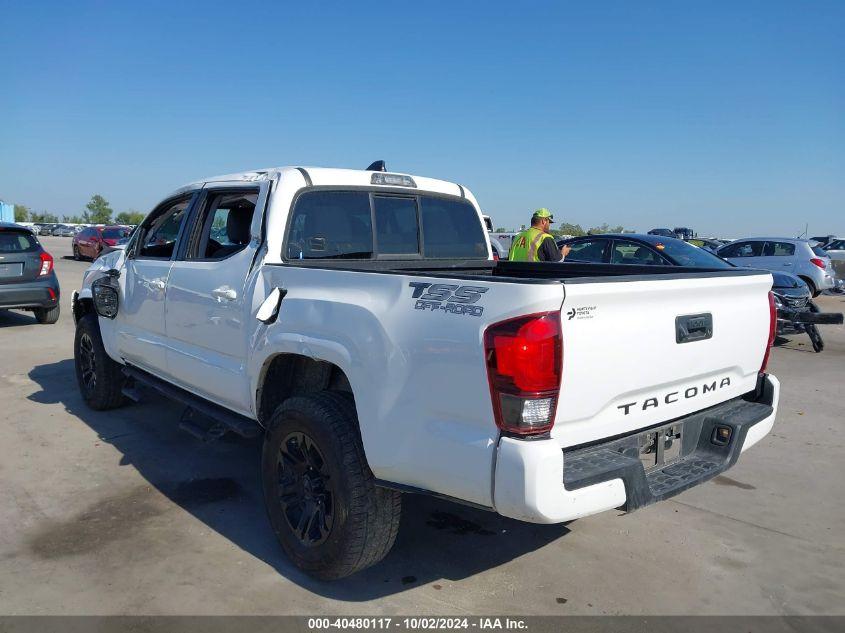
pixel 814 292
pixel 328 514
pixel 76 255
pixel 100 379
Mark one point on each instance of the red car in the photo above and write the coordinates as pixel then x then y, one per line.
pixel 91 241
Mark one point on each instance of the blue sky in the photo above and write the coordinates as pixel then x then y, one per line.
pixel 728 117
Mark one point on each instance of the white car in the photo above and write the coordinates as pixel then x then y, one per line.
pixel 358 321
pixel 835 249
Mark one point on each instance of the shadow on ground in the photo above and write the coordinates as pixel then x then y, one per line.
pixel 9 318
pixel 219 483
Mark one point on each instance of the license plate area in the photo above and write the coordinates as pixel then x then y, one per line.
pixel 660 447
pixel 11 270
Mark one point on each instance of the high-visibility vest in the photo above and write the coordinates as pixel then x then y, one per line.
pixel 526 246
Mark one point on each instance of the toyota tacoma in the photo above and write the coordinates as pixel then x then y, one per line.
pixel 356 319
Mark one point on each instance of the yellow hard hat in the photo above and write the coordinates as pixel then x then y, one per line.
pixel 544 213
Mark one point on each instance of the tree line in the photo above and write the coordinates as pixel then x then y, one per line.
pixel 576 230
pixel 97 211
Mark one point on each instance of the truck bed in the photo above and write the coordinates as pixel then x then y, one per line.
pixel 526 272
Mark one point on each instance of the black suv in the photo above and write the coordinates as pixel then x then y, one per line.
pixel 27 278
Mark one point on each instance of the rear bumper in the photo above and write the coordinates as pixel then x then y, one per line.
pixel 827 281
pixel 537 482
pixel 32 294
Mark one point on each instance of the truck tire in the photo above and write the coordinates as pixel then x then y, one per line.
pixel 47 316
pixel 100 378
pixel 328 514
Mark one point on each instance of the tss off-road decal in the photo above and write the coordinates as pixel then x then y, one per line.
pixel 448 298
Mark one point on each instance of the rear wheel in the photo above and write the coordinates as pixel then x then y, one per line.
pixel 47 316
pixel 328 514
pixel 100 378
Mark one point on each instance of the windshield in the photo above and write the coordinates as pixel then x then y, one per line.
pixel 115 233
pixel 684 254
pixel 782 280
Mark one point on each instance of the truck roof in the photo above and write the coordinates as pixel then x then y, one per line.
pixel 323 176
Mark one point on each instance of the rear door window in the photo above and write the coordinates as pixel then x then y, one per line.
pixel 226 220
pixel 779 249
pixel 588 251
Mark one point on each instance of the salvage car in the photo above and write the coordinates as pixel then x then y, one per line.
pixel 27 278
pixel 92 241
pixel 358 321
pixel 797 314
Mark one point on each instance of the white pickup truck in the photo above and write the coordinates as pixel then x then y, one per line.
pixel 358 321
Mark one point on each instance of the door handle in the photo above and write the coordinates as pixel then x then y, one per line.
pixel 224 293
pixel 158 284
pixel 788 264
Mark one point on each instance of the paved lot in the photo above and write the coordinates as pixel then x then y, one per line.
pixel 120 512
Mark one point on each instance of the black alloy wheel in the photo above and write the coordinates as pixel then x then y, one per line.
pixel 304 488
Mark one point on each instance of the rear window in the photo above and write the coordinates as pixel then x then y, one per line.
pixel 363 225
pixel 820 252
pixel 397 228
pixel 17 241
pixel 683 254
pixel 331 225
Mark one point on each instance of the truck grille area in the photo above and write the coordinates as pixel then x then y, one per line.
pixel 695 443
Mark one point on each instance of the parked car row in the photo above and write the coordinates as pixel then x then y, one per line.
pixel 63 230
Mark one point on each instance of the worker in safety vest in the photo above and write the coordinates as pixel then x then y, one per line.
pixel 536 244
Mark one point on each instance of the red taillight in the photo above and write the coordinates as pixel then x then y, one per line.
pixel 773 326
pixel 495 256
pixel 818 262
pixel 524 364
pixel 46 264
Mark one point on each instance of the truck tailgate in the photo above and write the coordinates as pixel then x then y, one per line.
pixel 626 366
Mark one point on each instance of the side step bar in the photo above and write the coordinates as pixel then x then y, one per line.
pixel 242 425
